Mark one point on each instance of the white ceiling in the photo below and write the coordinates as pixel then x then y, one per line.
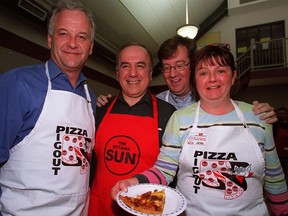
pixel 146 21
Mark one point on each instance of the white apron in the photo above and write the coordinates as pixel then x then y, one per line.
pixel 221 171
pixel 48 171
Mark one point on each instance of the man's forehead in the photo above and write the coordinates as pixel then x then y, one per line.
pixel 180 54
pixel 132 62
pixel 132 56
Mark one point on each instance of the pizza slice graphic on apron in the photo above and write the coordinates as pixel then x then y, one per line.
pixel 75 152
pixel 225 175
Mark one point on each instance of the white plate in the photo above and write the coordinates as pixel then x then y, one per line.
pixel 175 202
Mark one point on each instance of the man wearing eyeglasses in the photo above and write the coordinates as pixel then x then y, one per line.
pixel 174 55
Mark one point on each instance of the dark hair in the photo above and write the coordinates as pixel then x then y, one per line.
pixel 213 54
pixel 70 5
pixel 281 108
pixel 133 44
pixel 168 48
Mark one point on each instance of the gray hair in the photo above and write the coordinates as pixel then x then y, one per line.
pixel 71 5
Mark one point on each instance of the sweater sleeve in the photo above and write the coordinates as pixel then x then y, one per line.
pixel 274 177
pixel 152 175
pixel 275 185
pixel 278 203
pixel 166 166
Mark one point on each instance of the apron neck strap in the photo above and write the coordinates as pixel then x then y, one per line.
pixel 48 75
pixel 237 110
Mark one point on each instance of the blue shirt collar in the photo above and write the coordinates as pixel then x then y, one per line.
pixel 181 102
pixel 54 71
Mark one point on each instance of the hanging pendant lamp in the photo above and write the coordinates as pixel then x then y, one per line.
pixel 187 30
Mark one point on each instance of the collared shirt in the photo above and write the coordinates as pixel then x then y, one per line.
pixel 22 94
pixel 176 101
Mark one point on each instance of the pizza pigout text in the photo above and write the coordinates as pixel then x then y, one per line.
pixel 199 155
pixel 57 153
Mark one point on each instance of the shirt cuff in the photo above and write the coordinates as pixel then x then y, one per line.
pixel 278 203
pixel 141 178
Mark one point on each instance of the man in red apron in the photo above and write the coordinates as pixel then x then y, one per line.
pixel 129 129
pixel 47 124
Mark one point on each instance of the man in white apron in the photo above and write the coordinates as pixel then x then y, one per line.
pixel 46 161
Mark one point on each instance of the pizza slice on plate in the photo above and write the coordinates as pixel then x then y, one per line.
pixel 151 202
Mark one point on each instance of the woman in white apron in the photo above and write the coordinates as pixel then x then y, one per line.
pixel 225 154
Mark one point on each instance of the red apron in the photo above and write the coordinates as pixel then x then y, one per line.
pixel 124 145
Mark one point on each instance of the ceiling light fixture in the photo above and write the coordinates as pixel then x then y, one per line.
pixel 187 30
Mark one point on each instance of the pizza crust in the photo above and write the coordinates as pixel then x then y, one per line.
pixel 151 202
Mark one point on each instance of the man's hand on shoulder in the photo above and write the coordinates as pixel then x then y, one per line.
pixel 103 99
pixel 267 112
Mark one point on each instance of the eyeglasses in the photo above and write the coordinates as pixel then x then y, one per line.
pixel 178 67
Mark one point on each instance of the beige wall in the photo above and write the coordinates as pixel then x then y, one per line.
pixel 250 15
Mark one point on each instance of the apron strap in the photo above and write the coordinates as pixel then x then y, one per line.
pixel 167 96
pixel 87 92
pixel 48 75
pixel 239 114
pixel 237 109
pixel 88 98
